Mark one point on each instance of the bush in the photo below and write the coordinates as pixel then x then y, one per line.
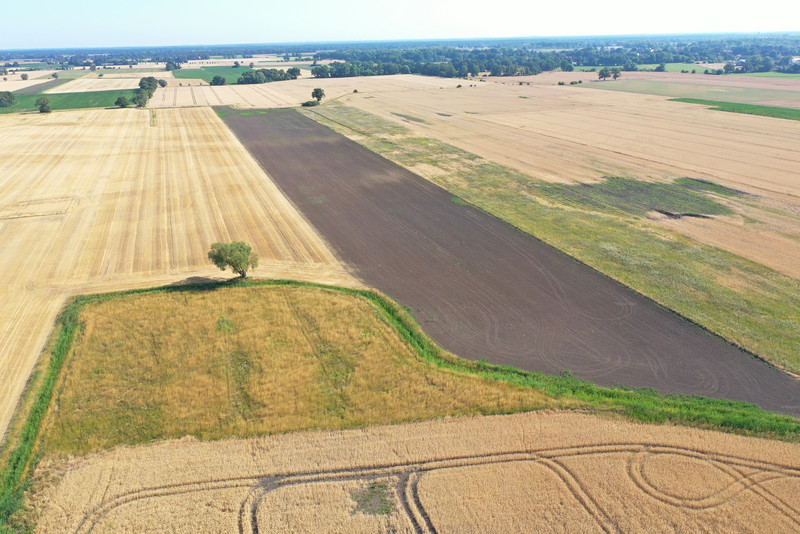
pixel 6 99
pixel 309 103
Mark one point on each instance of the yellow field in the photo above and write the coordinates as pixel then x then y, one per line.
pixel 536 472
pixel 98 200
pixel 110 81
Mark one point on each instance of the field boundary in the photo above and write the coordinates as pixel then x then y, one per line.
pixel 644 405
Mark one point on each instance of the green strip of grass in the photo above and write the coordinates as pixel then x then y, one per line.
pixel 92 99
pixel 749 109
pixel 639 404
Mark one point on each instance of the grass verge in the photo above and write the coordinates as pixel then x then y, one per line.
pixel 602 226
pixel 527 390
pixel 748 109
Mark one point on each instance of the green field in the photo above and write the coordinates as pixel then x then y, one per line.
pixel 206 74
pixel 740 95
pixel 749 109
pixel 744 302
pixel 92 99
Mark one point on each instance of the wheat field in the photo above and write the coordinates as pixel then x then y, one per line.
pixel 534 472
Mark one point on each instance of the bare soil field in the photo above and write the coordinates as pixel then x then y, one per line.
pixel 483 289
pixel 287 93
pixel 564 134
pixel 542 472
pixel 97 200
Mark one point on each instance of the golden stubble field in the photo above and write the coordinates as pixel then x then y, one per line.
pixel 99 200
pixel 534 472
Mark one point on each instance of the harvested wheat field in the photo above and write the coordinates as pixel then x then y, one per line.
pixel 534 472
pixel 287 93
pixel 97 200
pixel 109 81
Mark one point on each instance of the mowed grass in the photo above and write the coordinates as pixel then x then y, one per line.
pixel 749 109
pixel 245 361
pixel 749 304
pixel 231 74
pixel 92 99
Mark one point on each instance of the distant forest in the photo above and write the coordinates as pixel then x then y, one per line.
pixel 461 58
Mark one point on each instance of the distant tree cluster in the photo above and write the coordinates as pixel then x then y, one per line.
pixel 147 86
pixel 218 80
pixel 172 65
pixel 267 75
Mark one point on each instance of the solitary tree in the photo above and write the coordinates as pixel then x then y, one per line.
pixel 237 255
pixel 604 73
pixel 44 104
pixel 23 76
pixel 162 83
pixel 616 72
pixel 318 94
pixel 6 99
pixel 218 80
pixel 122 102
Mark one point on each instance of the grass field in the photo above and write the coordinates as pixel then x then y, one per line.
pixel 207 73
pixel 61 101
pixel 749 109
pixel 747 303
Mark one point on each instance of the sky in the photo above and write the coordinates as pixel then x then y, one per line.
pixel 99 23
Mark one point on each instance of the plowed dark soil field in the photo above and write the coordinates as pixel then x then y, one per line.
pixel 485 290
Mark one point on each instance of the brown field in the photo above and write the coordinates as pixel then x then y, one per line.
pixel 535 472
pixel 108 82
pixel 97 200
pixel 482 289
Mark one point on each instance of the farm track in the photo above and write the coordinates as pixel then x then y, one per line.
pixel 482 289
pixel 100 200
pixel 636 460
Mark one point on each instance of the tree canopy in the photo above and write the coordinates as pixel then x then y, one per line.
pixel 238 255
pixel 318 93
pixel 218 80
pixel 6 99
pixel 43 103
pixel 122 102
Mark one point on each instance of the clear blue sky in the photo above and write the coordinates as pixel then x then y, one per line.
pixel 89 23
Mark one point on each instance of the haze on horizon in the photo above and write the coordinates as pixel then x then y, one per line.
pixel 95 23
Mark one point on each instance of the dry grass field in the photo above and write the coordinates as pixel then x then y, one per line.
pixel 97 200
pixel 535 472
pixel 247 361
pixel 288 93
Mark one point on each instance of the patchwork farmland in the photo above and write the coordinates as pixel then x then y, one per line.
pixel 484 290
pixel 104 200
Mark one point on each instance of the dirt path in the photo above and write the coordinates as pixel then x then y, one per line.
pixel 482 289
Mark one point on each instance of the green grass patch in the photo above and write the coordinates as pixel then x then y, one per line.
pixel 697 184
pixel 749 109
pixel 410 118
pixel 93 99
pixel 635 197
pixel 231 74
pixel 746 303
pixel 375 499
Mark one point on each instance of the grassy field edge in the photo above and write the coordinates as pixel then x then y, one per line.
pixel 748 109
pixel 643 405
